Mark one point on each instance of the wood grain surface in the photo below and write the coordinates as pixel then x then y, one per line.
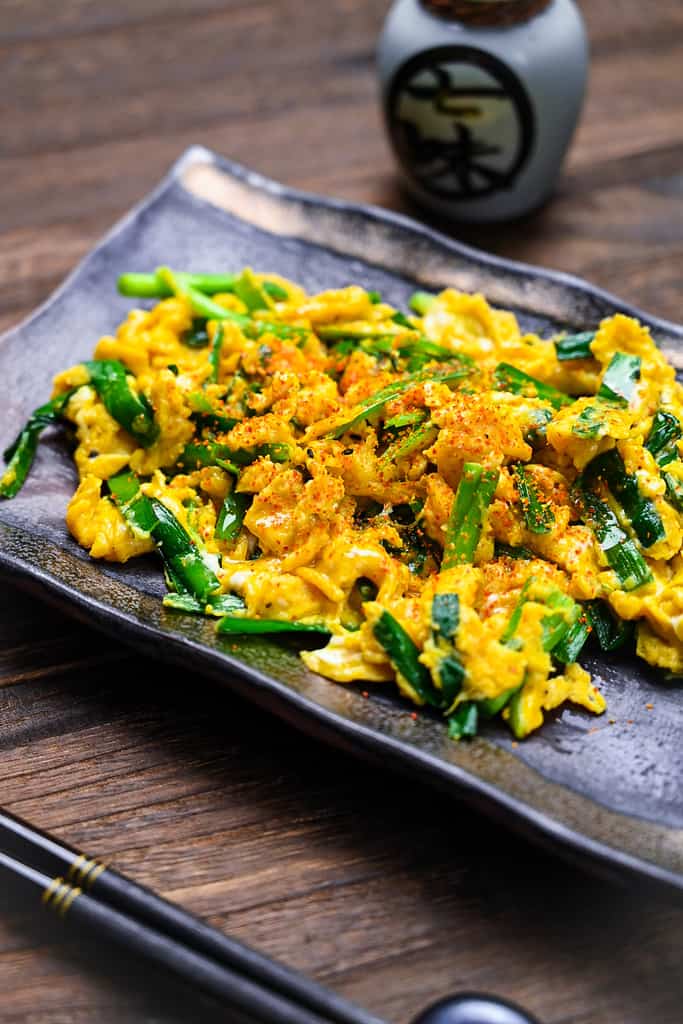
pixel 382 889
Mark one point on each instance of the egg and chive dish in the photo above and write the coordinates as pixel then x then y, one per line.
pixel 454 506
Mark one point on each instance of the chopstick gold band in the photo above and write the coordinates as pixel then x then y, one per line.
pixel 84 871
pixel 59 895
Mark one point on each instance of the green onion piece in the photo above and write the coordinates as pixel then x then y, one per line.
pixel 132 411
pixel 489 707
pixel 402 320
pixel 215 354
pixel 611 631
pixel 202 305
pixel 445 618
pixel 420 302
pixel 414 441
pixel 446 615
pixel 451 675
pixel 211 453
pixel 198 454
pixel 252 294
pixel 135 507
pixel 181 555
pixel 360 332
pixel 21 453
pixel 236 624
pixel 575 346
pixel 421 352
pixel 564 613
pixel 215 421
pixel 406 419
pixel 199 403
pixel 674 491
pixel 661 442
pixel 153 286
pixel 404 656
pixel 538 515
pixel 187 566
pixel 591 423
pixel 509 378
pixel 623 556
pixel 276 452
pixel 620 379
pixel 374 347
pixel 536 434
pixel 275 291
pixel 231 516
pixel 286 332
pixel 639 510
pixel 375 298
pixel 124 486
pixel 570 646
pixel 374 404
pixel 464 722
pixel 217 605
pixel 508 635
pixel 472 499
pixel 557 626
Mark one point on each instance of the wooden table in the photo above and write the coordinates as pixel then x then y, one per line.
pixel 389 893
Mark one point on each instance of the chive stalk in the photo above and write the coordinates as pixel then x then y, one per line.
pixel 20 454
pixel 463 723
pixel 252 294
pixel 154 286
pixel 620 379
pixel 405 658
pixel 238 625
pixel 374 404
pixel 131 410
pixel 661 441
pixel 631 569
pixel 413 441
pixel 538 515
pixel 217 605
pixel 186 566
pixel 575 346
pixel 215 353
pixel 612 632
pixel 509 378
pixel 640 511
pixel 472 499
pixel 231 516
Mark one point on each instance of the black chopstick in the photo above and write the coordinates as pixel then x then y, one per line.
pixel 90 893
pixel 235 990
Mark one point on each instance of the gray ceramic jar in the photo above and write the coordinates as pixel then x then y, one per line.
pixel 481 99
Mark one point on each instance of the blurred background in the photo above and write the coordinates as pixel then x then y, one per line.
pixel 381 889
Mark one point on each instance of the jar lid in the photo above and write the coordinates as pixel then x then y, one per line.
pixel 486 12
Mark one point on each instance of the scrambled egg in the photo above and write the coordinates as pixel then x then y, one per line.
pixel 347 503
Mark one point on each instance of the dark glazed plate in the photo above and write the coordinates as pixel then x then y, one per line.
pixel 605 791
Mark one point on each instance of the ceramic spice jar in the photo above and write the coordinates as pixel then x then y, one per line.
pixel 481 99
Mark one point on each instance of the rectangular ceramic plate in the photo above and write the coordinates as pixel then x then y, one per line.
pixel 606 794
